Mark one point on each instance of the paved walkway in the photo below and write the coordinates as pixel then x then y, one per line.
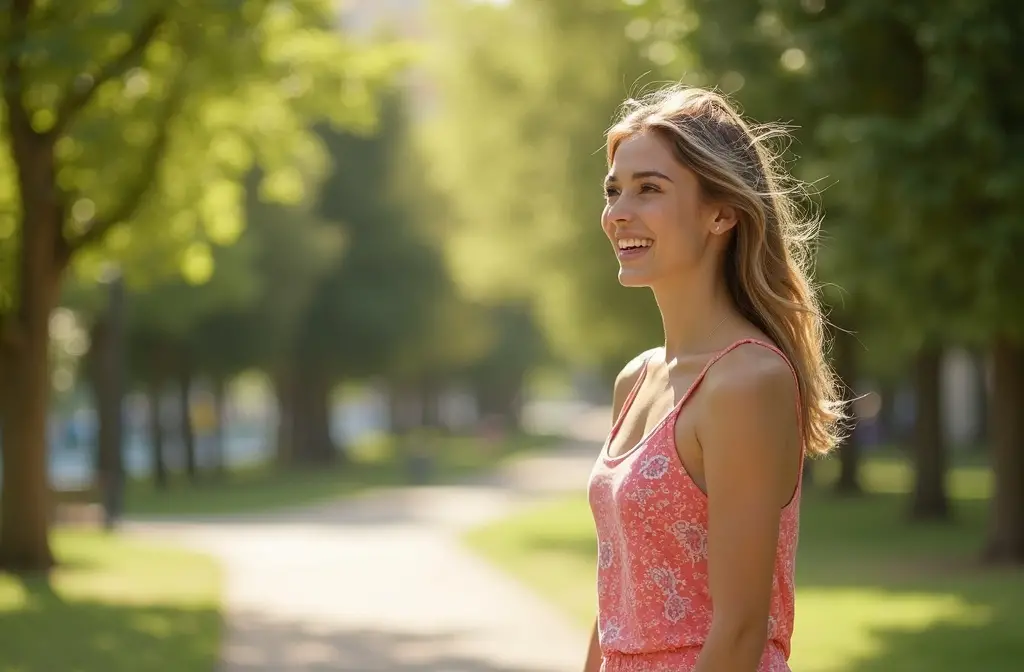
pixel 380 582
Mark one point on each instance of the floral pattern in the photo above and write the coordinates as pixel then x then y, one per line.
pixel 654 466
pixel 654 602
pixel 692 537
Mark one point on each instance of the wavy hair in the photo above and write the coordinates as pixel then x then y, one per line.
pixel 768 259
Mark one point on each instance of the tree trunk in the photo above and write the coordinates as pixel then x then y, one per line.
pixel 929 500
pixel 404 409
pixel 106 381
pixel 981 435
pixel 219 397
pixel 501 400
pixel 430 402
pixel 887 430
pixel 312 414
pixel 845 356
pixel 284 389
pixel 1006 427
pixel 24 348
pixel 156 435
pixel 24 509
pixel 188 435
pixel 186 430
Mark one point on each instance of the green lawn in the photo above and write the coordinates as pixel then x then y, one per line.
pixel 114 605
pixel 376 463
pixel 875 593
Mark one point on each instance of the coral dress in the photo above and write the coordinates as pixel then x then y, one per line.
pixel 654 602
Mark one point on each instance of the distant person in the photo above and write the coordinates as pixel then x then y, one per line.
pixel 696 493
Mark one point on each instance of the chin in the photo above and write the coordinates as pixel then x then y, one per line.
pixel 634 279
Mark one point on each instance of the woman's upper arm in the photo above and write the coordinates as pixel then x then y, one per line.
pixel 750 440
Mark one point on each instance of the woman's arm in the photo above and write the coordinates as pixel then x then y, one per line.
pixel 749 435
pixel 593 663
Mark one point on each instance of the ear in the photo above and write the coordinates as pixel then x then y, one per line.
pixel 723 218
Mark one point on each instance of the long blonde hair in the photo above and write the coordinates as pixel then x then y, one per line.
pixel 769 258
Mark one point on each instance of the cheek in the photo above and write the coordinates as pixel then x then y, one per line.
pixel 606 223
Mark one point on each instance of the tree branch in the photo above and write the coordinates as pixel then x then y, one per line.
pixel 79 97
pixel 148 173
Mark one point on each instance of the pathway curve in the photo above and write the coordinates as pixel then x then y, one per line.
pixel 381 583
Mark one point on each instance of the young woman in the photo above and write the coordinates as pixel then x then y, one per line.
pixel 696 493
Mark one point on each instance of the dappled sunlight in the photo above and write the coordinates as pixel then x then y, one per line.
pixel 115 605
pixel 837 630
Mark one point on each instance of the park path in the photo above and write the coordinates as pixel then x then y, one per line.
pixel 381 583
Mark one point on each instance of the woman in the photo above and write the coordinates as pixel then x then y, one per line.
pixel 696 494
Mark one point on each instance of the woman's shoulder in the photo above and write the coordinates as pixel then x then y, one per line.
pixel 627 378
pixel 752 372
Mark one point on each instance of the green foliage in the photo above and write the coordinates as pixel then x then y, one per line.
pixel 526 92
pixel 375 312
pixel 906 113
pixel 160 109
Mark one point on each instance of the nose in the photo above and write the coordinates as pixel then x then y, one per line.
pixel 618 213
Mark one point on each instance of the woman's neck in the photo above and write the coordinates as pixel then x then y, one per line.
pixel 695 316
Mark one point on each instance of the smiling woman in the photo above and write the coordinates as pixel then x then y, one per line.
pixel 696 493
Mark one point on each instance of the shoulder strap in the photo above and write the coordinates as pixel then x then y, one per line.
pixel 722 353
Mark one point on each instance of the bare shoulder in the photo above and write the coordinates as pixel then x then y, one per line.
pixel 752 377
pixel 627 378
pixel 749 425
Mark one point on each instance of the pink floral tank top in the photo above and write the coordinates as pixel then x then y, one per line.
pixel 654 603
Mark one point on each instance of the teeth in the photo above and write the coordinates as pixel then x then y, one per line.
pixel 625 243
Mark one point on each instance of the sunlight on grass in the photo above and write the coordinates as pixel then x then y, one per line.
pixel 856 615
pixel 115 605
pixel 875 594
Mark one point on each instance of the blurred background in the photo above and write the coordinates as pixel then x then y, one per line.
pixel 276 261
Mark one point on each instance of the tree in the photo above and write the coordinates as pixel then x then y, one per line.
pixel 133 121
pixel 516 146
pixel 910 107
pixel 374 311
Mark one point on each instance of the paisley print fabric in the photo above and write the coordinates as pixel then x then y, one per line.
pixel 654 604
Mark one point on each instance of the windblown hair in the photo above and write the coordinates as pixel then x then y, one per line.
pixel 769 257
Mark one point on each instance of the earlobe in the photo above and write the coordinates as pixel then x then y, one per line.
pixel 725 219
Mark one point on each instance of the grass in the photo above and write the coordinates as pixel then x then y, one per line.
pixel 875 594
pixel 377 463
pixel 114 605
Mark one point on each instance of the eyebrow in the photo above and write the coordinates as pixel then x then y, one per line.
pixel 640 175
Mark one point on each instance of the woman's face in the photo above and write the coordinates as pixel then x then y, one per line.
pixel 654 216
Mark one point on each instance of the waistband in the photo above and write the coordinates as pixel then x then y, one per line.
pixel 683 660
pixel 675 660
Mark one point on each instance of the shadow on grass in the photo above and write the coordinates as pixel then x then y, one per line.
pixel 50 634
pixel 279 645
pixel 916 595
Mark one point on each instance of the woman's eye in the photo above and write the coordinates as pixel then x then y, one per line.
pixel 647 188
pixel 610 192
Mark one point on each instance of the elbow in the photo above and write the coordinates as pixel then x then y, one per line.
pixel 746 638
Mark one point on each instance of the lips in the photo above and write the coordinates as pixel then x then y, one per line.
pixel 633 248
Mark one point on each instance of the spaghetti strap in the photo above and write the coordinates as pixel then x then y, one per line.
pixel 792 369
pixel 722 353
